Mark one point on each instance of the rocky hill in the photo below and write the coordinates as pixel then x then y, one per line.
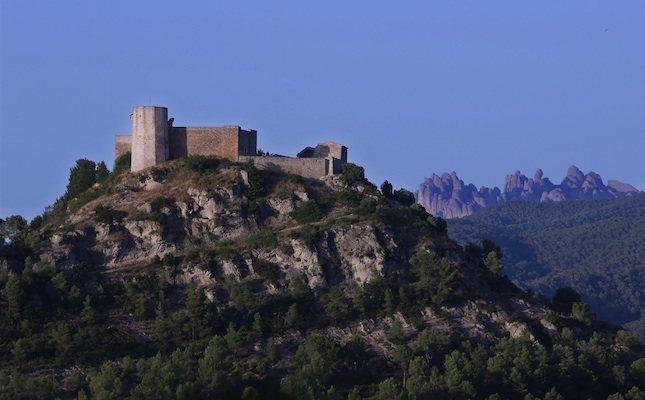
pixel 449 197
pixel 204 279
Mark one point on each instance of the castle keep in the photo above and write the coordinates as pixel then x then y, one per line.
pixel 155 140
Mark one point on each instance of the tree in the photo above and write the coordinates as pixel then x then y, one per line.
pixel 358 301
pixel 564 298
pixel 492 263
pixel 102 172
pixel 12 298
pixel 291 319
pixel 581 312
pixel 82 176
pixel 256 182
pixel 386 189
pixel 395 334
pixel 389 302
pixel 404 196
pixel 353 174
pixel 335 307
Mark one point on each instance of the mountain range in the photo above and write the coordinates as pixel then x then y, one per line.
pixel 447 196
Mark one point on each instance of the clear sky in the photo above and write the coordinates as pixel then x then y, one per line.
pixel 483 88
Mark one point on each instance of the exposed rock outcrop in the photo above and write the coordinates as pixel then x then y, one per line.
pixel 448 196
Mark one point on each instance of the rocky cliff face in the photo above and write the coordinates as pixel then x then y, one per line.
pixel 447 196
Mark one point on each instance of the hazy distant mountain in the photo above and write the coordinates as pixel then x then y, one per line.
pixel 447 196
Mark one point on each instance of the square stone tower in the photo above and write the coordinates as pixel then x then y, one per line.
pixel 149 137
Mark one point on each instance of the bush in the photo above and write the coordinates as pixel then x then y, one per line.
pixel 404 196
pixel 353 174
pixel 123 163
pixel 366 207
pixel 308 234
pixel 256 182
pixel 263 239
pixel 108 215
pixel 348 197
pixel 204 165
pixel 267 270
pixel 308 212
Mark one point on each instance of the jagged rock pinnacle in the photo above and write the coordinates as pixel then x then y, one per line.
pixel 449 197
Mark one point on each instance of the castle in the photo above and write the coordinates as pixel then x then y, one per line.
pixel 155 140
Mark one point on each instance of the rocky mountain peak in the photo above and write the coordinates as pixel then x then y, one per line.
pixel 450 197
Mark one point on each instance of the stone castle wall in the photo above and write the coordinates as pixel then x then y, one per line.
pixel 207 141
pixel 225 141
pixel 122 144
pixel 154 140
pixel 306 167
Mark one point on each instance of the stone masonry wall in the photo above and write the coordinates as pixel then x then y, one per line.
pixel 207 141
pixel 122 145
pixel 247 143
pixel 306 167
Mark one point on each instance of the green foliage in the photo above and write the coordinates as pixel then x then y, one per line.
pixel 492 263
pixel 123 163
pixel 581 312
pixel 592 246
pixel 564 298
pixel 386 189
pixel 267 270
pixel 262 240
pixel 107 215
pixel 308 234
pixel 436 278
pixel 353 175
pixel 404 196
pixel 204 165
pixel 309 211
pixel 82 176
pixel 256 181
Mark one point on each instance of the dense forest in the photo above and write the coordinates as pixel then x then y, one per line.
pixel 435 322
pixel 593 246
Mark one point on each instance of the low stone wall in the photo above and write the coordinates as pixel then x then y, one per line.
pixel 306 167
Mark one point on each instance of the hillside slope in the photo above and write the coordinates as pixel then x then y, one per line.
pixel 202 279
pixel 594 246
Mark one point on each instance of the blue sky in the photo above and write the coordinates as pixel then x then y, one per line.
pixel 412 88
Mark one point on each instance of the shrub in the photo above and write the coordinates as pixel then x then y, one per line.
pixel 267 270
pixel 367 206
pixel 256 182
pixel 263 239
pixel 108 215
pixel 204 165
pixel 353 174
pixel 168 260
pixel 123 163
pixel 404 196
pixel 294 178
pixel 308 234
pixel 308 212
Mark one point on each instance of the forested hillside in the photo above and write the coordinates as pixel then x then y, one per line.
pixel 593 246
pixel 208 279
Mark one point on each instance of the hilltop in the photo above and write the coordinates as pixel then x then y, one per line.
pixel 202 277
pixel 448 196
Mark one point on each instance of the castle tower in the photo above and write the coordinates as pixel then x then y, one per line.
pixel 149 137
